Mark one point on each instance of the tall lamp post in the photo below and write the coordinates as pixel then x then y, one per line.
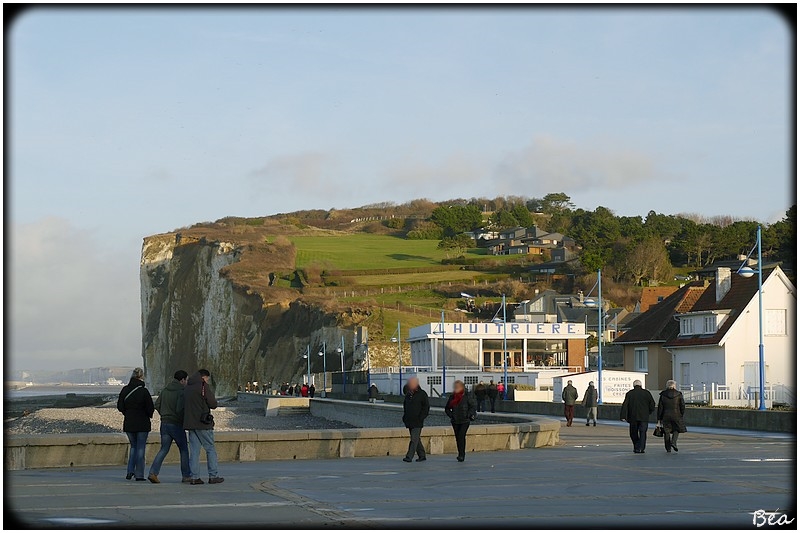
pixel 324 356
pixel 399 357
pixel 747 272
pixel 599 338
pixel 307 357
pixel 505 352
pixel 340 350
pixel 444 363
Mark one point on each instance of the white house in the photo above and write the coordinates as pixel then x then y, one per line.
pixel 716 349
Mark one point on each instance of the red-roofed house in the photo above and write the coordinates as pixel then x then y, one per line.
pixel 716 347
pixel 643 341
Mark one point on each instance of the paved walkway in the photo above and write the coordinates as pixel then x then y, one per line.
pixel 592 479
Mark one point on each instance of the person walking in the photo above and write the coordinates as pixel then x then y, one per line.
pixel 199 400
pixel 590 403
pixel 170 406
pixel 501 390
pixel 372 393
pixel 491 392
pixel 569 395
pixel 636 410
pixel 415 409
pixel 480 396
pixel 136 405
pixel 304 390
pixel 671 408
pixel 461 407
pixel 311 390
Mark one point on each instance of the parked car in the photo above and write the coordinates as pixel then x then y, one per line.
pixel 678 277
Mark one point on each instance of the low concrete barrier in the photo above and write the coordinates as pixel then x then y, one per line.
pixel 717 417
pixel 105 449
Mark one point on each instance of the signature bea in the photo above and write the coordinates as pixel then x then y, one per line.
pixel 770 518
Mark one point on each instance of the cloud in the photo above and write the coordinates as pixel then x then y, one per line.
pixel 72 304
pixel 455 170
pixel 569 166
pixel 309 173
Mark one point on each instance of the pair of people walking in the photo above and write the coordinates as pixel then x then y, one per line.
pixel 639 405
pixel 461 408
pixel 184 405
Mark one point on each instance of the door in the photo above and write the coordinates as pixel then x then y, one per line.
pixel 685 377
pixel 751 382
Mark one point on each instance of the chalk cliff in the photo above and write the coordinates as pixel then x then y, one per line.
pixel 210 303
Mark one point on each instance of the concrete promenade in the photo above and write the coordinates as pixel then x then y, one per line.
pixel 591 479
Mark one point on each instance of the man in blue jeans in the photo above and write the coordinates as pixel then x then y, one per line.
pixel 170 405
pixel 199 400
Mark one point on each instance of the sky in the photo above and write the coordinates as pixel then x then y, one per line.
pixel 129 122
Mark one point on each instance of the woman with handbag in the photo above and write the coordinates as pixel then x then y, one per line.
pixel 462 408
pixel 670 415
pixel 136 405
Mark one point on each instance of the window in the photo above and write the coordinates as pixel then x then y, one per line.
pixel 434 380
pixel 710 324
pixel 687 326
pixel 470 380
pixel 640 360
pixel 775 322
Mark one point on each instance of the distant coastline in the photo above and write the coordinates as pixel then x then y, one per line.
pixel 60 390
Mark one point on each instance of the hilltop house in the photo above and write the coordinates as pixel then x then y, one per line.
pixel 532 241
pixel 716 347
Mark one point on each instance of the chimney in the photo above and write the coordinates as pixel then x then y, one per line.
pixel 580 296
pixel 723 282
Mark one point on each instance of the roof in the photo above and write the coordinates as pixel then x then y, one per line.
pixel 741 293
pixel 658 323
pixel 653 295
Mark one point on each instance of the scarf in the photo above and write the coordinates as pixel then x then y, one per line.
pixel 455 399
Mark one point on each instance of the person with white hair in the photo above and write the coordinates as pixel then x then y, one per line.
pixel 636 410
pixel 670 414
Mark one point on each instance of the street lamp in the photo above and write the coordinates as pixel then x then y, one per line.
pixel 399 357
pixel 307 357
pixel 324 356
pixel 340 351
pixel 747 272
pixel 444 363
pixel 505 349
pixel 599 338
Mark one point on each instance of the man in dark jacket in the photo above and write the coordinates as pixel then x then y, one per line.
pixel 636 410
pixel 372 393
pixel 480 396
pixel 569 395
pixel 671 408
pixel 491 392
pixel 590 403
pixel 415 409
pixel 198 401
pixel 170 405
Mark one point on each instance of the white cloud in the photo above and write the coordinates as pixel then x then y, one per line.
pixel 566 166
pixel 72 304
pixel 306 173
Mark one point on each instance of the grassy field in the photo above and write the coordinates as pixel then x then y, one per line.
pixel 361 251
pixel 413 278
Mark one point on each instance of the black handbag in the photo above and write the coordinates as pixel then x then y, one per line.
pixel 658 432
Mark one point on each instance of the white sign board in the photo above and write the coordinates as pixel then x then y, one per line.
pixel 616 384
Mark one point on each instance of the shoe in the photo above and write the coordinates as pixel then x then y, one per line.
pixel 460 459
pixel 587 423
pixel 669 450
pixel 129 476
pixel 152 478
pixel 595 423
pixel 214 480
pixel 406 460
pixel 637 451
pixel 140 479
pixel 197 481
pixel 420 459
pixel 674 447
pixel 186 480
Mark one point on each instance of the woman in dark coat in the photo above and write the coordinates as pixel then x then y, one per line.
pixel 461 408
pixel 670 415
pixel 136 404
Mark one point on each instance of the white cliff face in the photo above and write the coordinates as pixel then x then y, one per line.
pixel 193 317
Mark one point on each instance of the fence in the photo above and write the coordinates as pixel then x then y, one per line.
pixel 738 395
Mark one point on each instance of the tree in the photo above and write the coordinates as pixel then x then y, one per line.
pixel 648 259
pixel 457 245
pixel 522 215
pixel 556 202
pixel 455 219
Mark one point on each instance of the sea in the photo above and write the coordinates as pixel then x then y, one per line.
pixel 58 390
